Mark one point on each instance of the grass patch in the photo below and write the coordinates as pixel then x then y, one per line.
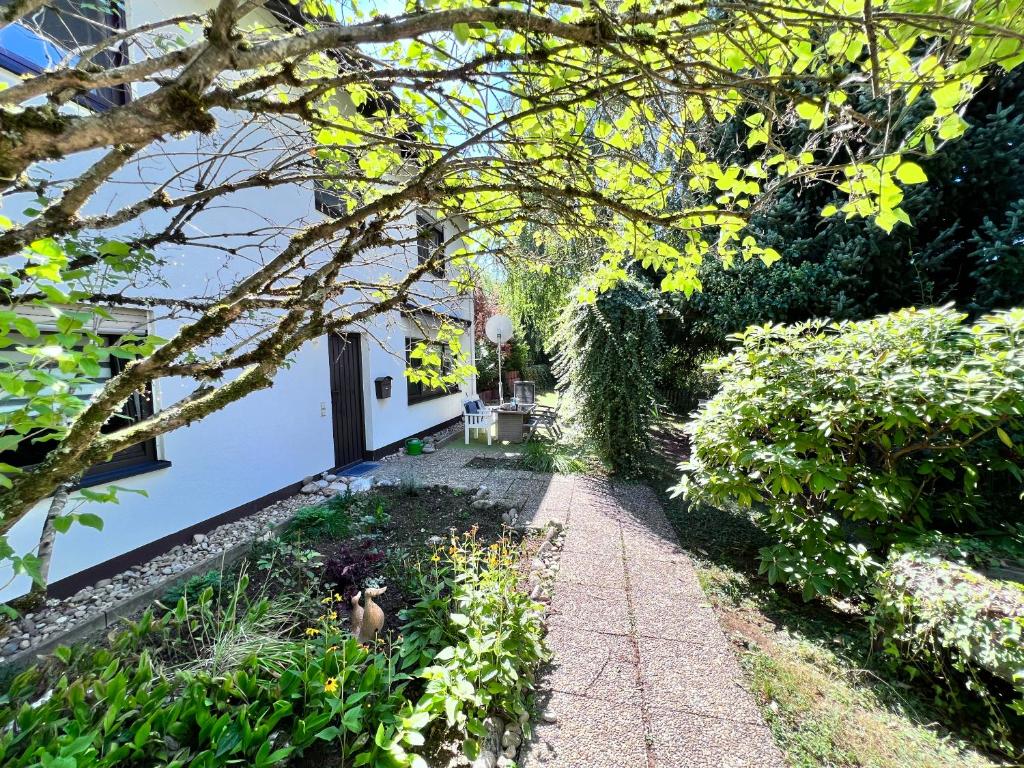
pixel 811 667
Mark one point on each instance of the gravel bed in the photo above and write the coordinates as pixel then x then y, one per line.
pixel 58 616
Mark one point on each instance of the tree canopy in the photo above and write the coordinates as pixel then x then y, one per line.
pixel 581 119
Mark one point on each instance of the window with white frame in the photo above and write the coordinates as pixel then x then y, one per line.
pixel 36 445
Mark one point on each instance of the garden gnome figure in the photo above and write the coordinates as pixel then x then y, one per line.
pixel 367 620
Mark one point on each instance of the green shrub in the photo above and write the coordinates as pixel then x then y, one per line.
pixel 545 456
pixel 331 519
pixel 540 375
pixel 606 364
pixel 490 634
pixel 848 437
pixel 943 611
pixel 193 587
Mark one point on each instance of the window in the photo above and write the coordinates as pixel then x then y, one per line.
pixel 419 391
pixel 327 202
pixel 47 37
pixel 429 243
pixel 130 461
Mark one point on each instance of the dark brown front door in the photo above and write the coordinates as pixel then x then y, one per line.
pixel 347 398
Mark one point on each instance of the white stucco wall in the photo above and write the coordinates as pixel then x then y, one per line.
pixel 268 440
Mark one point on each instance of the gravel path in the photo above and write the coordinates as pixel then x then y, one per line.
pixel 643 675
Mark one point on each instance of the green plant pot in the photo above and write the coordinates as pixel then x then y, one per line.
pixel 414 447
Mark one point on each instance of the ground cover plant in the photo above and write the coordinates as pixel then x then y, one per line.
pixel 264 670
pixel 952 609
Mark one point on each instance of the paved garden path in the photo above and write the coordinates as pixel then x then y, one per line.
pixel 642 676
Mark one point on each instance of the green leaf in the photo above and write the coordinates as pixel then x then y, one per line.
pixel 1004 438
pixel 89 520
pixel 63 523
pixel 115 248
pixel 911 173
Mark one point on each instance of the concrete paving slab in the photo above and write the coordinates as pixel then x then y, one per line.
pixel 684 740
pixel 673 617
pixel 594 609
pixel 594 570
pixel 592 664
pixel 589 733
pixel 699 678
pixel 674 577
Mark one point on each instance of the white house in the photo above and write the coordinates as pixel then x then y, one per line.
pixel 324 410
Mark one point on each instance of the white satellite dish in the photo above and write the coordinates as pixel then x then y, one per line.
pixel 498 328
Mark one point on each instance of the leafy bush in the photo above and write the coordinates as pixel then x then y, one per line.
pixel 193 587
pixel 486 366
pixel 541 375
pixel 943 610
pixel 607 361
pixel 287 564
pixel 848 437
pixel 490 632
pixel 329 520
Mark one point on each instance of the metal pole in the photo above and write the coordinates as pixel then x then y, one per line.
pixel 501 393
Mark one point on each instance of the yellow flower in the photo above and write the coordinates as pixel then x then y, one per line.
pixel 436 558
pixel 312 631
pixel 330 685
pixel 338 597
pixel 333 615
pixel 325 600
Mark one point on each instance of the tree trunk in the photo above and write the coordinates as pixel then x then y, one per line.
pixel 60 499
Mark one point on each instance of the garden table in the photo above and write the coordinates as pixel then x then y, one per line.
pixel 511 423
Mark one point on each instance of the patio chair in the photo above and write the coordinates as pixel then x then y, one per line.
pixel 476 415
pixel 545 417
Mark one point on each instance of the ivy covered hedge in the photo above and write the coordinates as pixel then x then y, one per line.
pixel 607 353
pixel 951 609
pixel 846 438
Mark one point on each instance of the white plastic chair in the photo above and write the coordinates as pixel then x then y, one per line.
pixel 477 416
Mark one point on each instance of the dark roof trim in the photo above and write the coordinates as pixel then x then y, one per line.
pixel 408 308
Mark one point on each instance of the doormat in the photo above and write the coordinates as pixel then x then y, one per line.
pixel 358 469
pixel 494 462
